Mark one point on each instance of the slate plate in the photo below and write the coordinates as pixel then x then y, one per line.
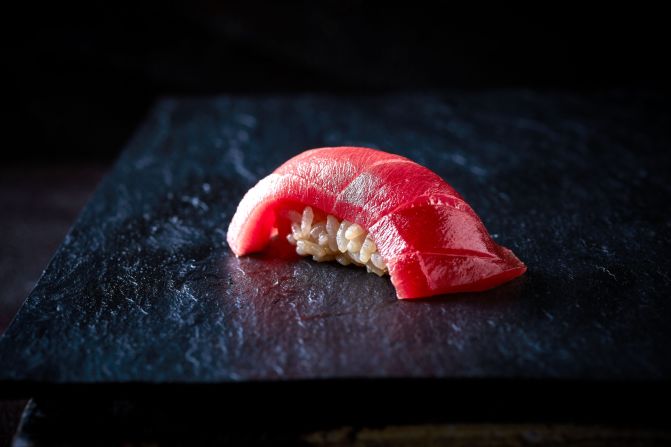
pixel 144 288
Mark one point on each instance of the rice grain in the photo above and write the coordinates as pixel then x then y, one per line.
pixel 331 240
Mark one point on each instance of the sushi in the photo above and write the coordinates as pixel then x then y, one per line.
pixel 377 210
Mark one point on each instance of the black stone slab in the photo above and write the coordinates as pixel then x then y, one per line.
pixel 144 288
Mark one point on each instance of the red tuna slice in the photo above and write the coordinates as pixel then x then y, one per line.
pixel 430 239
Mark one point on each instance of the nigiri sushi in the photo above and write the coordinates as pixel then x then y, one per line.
pixel 377 210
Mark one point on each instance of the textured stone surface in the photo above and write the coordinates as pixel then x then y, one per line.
pixel 39 202
pixel 145 289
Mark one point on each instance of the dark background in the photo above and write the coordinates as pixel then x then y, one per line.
pixel 79 79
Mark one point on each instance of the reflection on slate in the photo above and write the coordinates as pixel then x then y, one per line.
pixel 145 289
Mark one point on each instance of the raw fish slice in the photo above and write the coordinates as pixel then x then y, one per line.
pixel 429 239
